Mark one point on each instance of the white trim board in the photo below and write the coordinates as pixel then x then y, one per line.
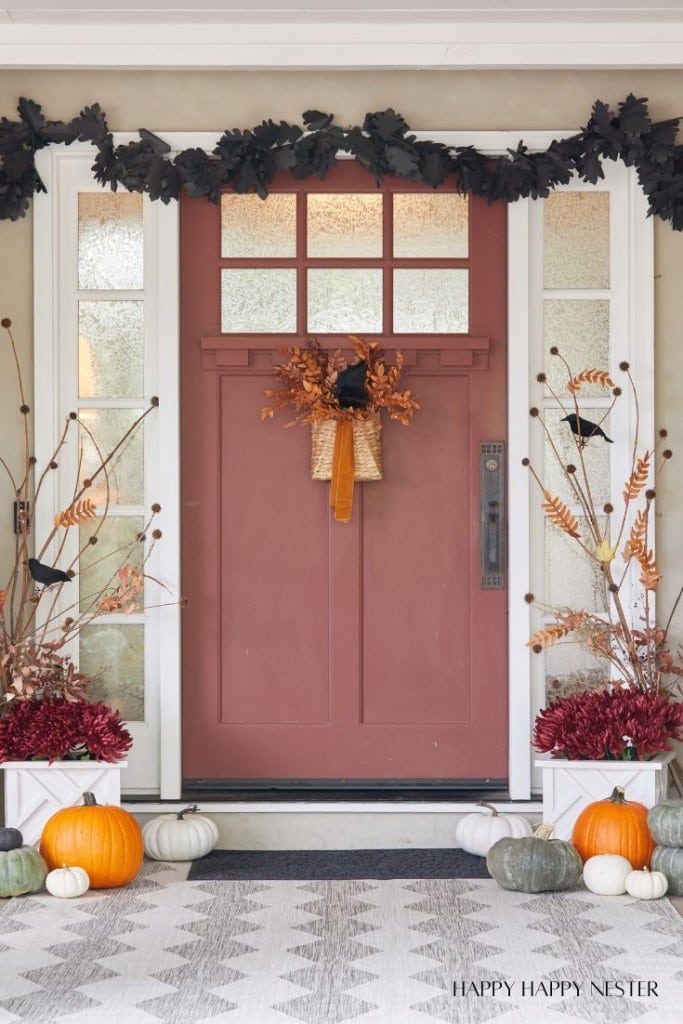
pixel 317 43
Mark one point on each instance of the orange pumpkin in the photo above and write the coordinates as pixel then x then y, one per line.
pixel 614 825
pixel 104 840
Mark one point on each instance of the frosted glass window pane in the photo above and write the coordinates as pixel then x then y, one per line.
pixel 115 654
pixel 431 301
pixel 342 300
pixel 110 244
pixel 110 349
pixel 595 455
pixel 576 237
pixel 580 329
pixel 430 226
pixel 573 580
pixel 251 226
pixel 117 544
pixel 570 668
pixel 344 224
pixel 258 301
pixel 125 471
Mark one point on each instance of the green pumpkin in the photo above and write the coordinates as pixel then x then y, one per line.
pixel 669 860
pixel 534 863
pixel 665 821
pixel 22 870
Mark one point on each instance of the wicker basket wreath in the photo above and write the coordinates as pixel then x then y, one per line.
pixel 342 400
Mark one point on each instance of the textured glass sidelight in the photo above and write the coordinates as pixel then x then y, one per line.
pixel 431 301
pixel 430 226
pixel 341 300
pixel 252 227
pixel 117 543
pixel 576 240
pixel 114 655
pixel 580 330
pixel 596 457
pixel 570 668
pixel 110 242
pixel 258 301
pixel 110 349
pixel 125 471
pixel 344 224
pixel 573 580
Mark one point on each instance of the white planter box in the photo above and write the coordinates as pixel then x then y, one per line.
pixel 34 790
pixel 569 786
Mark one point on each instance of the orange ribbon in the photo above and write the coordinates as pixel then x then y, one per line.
pixel 343 472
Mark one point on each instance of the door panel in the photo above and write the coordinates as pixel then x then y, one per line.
pixel 318 650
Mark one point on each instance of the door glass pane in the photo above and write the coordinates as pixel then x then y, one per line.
pixel 110 349
pixel 252 227
pixel 115 654
pixel 117 544
pixel 344 224
pixel 580 329
pixel 428 226
pixel 110 240
pixel 258 301
pixel 125 471
pixel 596 458
pixel 431 301
pixel 341 300
pixel 570 668
pixel 576 237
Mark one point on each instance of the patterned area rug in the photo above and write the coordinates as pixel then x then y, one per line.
pixel 328 865
pixel 381 952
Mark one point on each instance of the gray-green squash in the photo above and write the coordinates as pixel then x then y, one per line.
pixel 669 860
pixel 21 870
pixel 534 863
pixel 665 821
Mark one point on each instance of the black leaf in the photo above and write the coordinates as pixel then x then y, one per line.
pixel 315 120
pixel 155 144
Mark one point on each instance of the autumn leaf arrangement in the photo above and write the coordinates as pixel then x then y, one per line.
pixel 309 384
pixel 635 713
pixel 43 697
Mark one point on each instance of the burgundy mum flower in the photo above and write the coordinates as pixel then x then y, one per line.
pixel 611 724
pixel 55 729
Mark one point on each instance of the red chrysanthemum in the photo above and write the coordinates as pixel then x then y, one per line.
pixel 612 724
pixel 55 729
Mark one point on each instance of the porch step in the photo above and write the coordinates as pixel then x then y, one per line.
pixel 329 826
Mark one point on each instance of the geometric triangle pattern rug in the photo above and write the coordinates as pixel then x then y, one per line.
pixel 399 951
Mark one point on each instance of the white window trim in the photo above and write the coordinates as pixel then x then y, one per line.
pixel 633 262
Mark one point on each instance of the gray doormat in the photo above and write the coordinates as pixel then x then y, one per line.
pixel 331 865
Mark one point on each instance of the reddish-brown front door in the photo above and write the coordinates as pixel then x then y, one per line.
pixel 318 650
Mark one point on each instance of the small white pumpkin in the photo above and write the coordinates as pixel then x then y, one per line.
pixel 476 833
pixel 605 874
pixel 177 837
pixel 646 884
pixel 67 882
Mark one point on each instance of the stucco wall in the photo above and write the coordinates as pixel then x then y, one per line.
pixel 436 100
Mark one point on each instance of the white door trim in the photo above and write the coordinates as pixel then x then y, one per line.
pixel 634 245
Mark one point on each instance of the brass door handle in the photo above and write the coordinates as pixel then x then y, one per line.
pixel 492 514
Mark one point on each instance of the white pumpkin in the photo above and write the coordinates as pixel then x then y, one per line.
pixel 646 884
pixel 476 832
pixel 605 874
pixel 67 882
pixel 177 837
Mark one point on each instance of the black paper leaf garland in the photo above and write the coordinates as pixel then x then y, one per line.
pixel 248 160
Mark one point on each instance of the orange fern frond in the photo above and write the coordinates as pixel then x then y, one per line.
pixel 548 636
pixel 636 543
pixel 558 514
pixel 592 376
pixel 650 578
pixel 638 478
pixel 79 512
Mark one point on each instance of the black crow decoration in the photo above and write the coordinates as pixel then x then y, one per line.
pixel 350 389
pixel 45 574
pixel 584 429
